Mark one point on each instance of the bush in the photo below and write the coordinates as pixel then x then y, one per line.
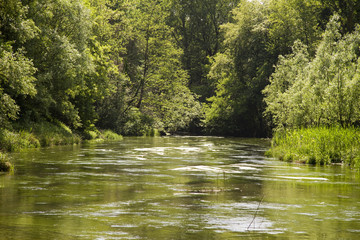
pixel 90 135
pixel 137 124
pixel 5 166
pixel 110 135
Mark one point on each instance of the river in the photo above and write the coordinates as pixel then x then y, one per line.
pixel 175 188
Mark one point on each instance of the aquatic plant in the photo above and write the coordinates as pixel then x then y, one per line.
pixel 319 145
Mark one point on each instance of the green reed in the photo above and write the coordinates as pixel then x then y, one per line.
pixel 320 145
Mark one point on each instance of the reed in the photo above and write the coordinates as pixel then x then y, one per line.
pixel 320 145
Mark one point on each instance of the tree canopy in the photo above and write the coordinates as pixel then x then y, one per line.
pixel 230 67
pixel 318 91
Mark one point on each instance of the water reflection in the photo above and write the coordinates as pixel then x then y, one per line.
pixel 175 188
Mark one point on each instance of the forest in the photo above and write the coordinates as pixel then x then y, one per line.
pixel 140 67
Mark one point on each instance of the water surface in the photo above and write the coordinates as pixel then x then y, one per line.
pixel 175 188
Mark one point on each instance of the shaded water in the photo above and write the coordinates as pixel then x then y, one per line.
pixel 175 188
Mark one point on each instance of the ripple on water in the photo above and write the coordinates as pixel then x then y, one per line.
pixel 303 178
pixel 178 183
pixel 243 224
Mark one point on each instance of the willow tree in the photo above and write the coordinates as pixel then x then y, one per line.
pixel 319 91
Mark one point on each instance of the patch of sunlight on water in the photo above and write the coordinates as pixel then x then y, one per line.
pixel 303 178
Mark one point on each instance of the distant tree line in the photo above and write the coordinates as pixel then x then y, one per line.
pixel 227 67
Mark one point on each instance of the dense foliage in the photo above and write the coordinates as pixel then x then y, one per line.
pixel 319 91
pixel 84 63
pixel 174 65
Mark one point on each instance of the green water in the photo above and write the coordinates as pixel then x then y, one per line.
pixel 175 188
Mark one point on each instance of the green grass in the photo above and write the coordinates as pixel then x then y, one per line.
pixel 319 145
pixel 110 135
pixel 54 134
pixel 33 135
pixel 11 141
pixel 44 134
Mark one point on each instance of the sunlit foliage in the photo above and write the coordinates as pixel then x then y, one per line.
pixel 323 90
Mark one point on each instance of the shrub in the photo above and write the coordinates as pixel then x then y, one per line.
pixel 5 165
pixel 110 135
pixel 137 124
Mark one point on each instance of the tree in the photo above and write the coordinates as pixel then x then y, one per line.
pixel 323 91
pixel 291 20
pixel 348 11
pixel 197 31
pixel 283 104
pixel 241 73
pixel 17 80
pixel 68 77
pixel 151 62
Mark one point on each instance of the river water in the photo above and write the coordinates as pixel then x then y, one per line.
pixel 175 188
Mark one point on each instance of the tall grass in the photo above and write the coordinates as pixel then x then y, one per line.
pixel 54 134
pixel 110 135
pixel 95 135
pixel 43 134
pixel 320 145
pixel 33 135
pixel 11 141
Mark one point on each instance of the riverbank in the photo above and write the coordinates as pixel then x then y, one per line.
pixel 321 145
pixel 44 134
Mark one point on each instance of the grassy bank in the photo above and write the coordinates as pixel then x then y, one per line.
pixel 44 134
pixel 319 145
pixel 36 135
pixel 101 135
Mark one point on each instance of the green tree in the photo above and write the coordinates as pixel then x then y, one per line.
pixel 17 80
pixel 157 82
pixel 348 10
pixel 323 91
pixel 68 76
pixel 241 73
pixel 291 20
pixel 196 27
pixel 283 104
